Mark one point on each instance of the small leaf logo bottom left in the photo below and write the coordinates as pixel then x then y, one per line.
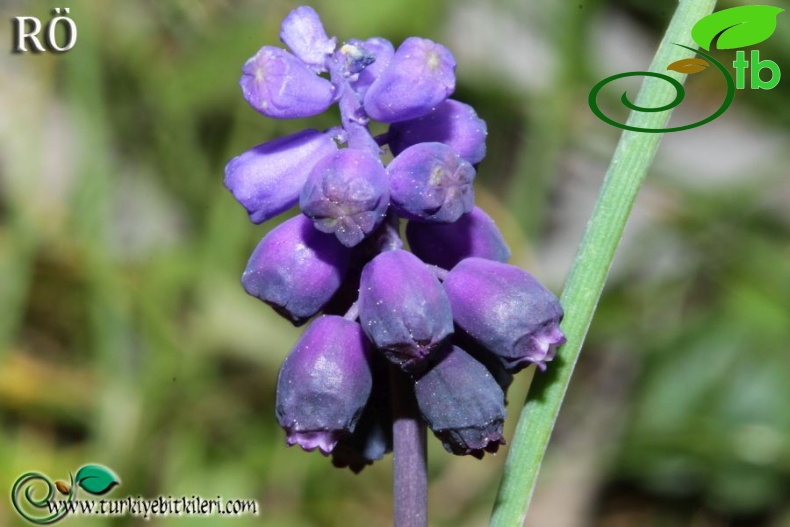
pixel 96 479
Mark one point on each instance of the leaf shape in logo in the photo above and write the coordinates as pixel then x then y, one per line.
pixel 689 66
pixel 739 26
pixel 96 479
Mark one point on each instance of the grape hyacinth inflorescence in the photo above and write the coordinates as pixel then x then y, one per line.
pixel 451 315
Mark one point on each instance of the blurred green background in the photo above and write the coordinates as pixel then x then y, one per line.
pixel 127 340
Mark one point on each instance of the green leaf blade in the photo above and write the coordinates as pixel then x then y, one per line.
pixel 739 27
pixel 629 167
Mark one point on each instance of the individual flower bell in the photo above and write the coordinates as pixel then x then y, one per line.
pixel 429 182
pixel 347 193
pixel 268 179
pixel 403 308
pixel 501 375
pixel 324 384
pixel 446 244
pixel 279 85
pixel 372 437
pixel 506 310
pixel 453 123
pixel 420 76
pixel 296 269
pixel 462 403
pixel 303 32
pixel 371 440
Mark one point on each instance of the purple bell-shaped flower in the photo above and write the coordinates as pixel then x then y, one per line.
pixel 303 32
pixel 296 269
pixel 453 123
pixel 429 182
pixel 267 180
pixel 279 85
pixel 324 384
pixel 462 403
pixel 506 310
pixel 446 244
pixel 403 308
pixel 347 193
pixel 372 437
pixel 420 76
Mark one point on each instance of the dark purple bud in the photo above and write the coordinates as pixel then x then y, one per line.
pixel 501 375
pixel 267 180
pixel 429 182
pixel 446 244
pixel 372 437
pixel 369 442
pixel 453 123
pixel 420 76
pixel 403 308
pixel 296 269
pixel 304 34
pixel 462 403
pixel 279 85
pixel 347 193
pixel 368 59
pixel 506 310
pixel 324 384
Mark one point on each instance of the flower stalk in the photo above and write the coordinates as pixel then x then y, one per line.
pixel 410 460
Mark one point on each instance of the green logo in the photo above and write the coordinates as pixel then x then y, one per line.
pixel 737 27
pixel 26 498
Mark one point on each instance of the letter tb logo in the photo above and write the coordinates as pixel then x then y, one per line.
pixel 756 82
pixel 27 30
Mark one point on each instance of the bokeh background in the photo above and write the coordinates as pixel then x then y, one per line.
pixel 127 340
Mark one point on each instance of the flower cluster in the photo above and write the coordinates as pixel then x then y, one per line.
pixel 450 313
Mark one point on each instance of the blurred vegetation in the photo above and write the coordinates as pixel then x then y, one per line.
pixel 126 339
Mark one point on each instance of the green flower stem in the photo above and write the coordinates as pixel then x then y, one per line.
pixel 631 161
